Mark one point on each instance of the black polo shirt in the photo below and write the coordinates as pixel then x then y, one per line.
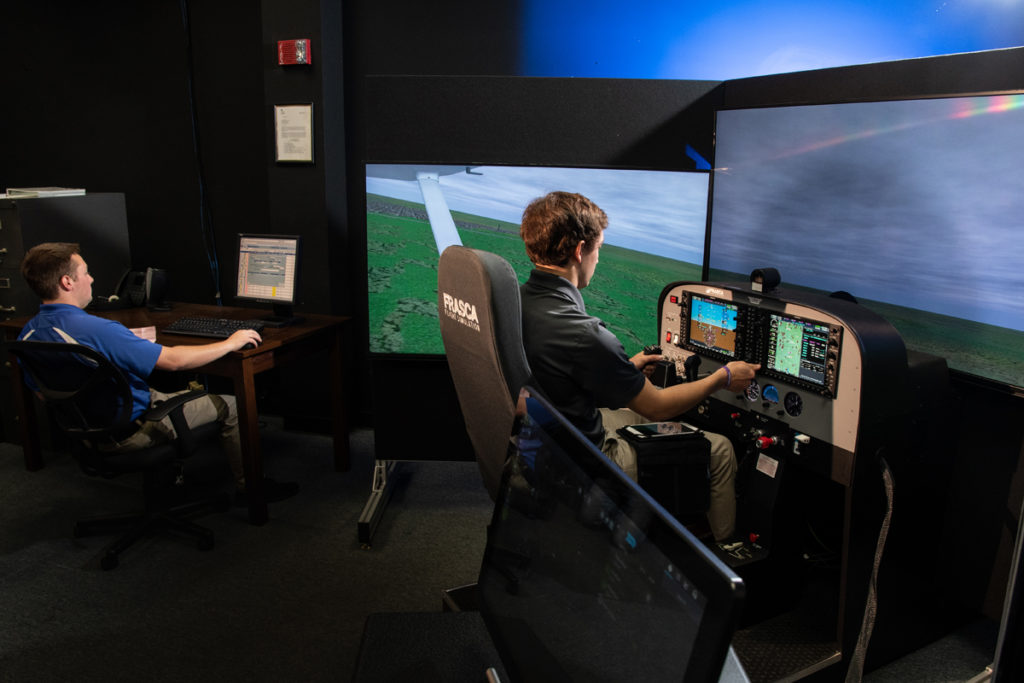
pixel 578 364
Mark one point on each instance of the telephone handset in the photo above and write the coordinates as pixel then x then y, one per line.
pixel 132 288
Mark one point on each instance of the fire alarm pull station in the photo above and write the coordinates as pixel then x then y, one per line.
pixel 294 52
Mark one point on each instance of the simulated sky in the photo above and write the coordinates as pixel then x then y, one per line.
pixel 656 212
pixel 917 203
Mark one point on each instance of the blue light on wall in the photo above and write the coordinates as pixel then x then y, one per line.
pixel 721 41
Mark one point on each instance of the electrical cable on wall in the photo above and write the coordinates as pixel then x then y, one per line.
pixel 205 220
pixel 856 670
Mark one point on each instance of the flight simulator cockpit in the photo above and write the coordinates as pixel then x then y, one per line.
pixel 811 433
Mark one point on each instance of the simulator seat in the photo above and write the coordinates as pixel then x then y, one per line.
pixel 90 402
pixel 481 326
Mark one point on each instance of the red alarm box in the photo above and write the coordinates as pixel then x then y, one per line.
pixel 294 52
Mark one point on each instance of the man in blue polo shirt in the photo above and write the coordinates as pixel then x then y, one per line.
pixel 57 273
pixel 582 367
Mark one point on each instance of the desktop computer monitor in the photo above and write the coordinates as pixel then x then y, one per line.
pixel 268 268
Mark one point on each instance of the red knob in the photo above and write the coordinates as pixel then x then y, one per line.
pixel 764 442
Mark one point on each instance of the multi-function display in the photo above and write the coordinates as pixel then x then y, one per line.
pixel 798 348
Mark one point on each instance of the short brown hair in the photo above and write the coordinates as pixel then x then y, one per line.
pixel 45 264
pixel 554 224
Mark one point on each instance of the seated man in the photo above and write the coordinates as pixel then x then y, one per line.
pixel 582 367
pixel 59 275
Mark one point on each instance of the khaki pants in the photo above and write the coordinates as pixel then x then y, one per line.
pixel 722 511
pixel 204 410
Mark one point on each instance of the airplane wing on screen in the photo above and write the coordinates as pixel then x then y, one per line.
pixel 429 179
pixel 441 221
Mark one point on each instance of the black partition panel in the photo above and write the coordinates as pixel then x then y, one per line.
pixel 548 121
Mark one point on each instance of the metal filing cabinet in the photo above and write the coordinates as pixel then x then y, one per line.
pixel 97 222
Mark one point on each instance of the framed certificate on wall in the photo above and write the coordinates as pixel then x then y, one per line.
pixel 293 132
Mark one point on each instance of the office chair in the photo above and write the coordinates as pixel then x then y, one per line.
pixel 90 401
pixel 481 326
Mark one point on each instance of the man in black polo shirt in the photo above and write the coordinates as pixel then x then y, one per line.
pixel 582 367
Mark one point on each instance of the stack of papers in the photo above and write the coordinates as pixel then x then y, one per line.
pixel 26 192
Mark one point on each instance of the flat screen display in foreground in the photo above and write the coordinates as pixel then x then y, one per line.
pixel 586 578
pixel 912 206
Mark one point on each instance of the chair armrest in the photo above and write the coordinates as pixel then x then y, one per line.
pixel 173 407
pixel 165 408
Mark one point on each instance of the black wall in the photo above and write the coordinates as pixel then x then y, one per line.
pixel 171 103
pixel 99 98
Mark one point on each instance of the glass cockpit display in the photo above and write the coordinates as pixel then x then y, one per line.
pixel 713 325
pixel 798 348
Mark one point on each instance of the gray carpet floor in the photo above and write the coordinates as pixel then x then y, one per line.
pixel 283 602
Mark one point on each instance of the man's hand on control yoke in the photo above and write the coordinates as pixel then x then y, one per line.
pixel 645 362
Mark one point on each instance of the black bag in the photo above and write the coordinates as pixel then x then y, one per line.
pixel 674 469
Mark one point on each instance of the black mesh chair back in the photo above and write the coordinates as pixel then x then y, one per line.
pixel 88 396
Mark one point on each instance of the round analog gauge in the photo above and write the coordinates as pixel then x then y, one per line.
pixel 770 393
pixel 753 392
pixel 794 404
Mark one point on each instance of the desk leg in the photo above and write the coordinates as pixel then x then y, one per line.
pixel 339 410
pixel 249 434
pixel 26 406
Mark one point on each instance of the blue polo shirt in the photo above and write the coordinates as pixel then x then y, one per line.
pixel 134 356
pixel 576 361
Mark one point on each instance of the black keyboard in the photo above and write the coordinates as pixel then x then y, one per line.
pixel 217 328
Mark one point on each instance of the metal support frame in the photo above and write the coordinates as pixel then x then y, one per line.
pixel 380 492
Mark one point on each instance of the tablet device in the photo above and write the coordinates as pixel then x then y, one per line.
pixel 660 431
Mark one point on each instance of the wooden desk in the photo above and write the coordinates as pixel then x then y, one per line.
pixel 280 346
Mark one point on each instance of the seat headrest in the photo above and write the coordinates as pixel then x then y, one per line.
pixel 479 290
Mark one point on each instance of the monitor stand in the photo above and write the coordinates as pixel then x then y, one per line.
pixel 282 315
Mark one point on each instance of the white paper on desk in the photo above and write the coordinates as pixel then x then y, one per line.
pixel 147 333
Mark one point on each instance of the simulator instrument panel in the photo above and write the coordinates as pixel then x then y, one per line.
pixel 809 384
pixel 830 397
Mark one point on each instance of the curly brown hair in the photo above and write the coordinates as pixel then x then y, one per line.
pixel 554 224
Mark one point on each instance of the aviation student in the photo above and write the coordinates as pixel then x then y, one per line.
pixel 582 367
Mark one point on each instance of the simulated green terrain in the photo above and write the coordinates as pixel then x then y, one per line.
pixel 402 269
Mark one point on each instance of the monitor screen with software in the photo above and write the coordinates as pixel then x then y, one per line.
pixel 585 577
pixel 268 267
